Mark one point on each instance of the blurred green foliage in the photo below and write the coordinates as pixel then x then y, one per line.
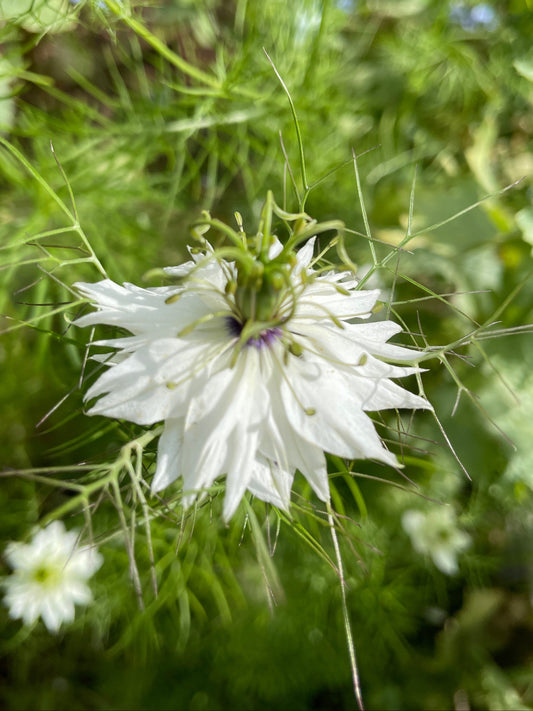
pixel 157 110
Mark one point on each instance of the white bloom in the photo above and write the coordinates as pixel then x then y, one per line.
pixel 251 382
pixel 437 535
pixel 49 576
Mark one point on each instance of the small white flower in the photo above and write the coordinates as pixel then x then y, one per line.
pixel 256 367
pixel 436 534
pixel 49 576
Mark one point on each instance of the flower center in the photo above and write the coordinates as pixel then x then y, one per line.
pixel 261 288
pixel 443 536
pixel 45 575
pixel 264 338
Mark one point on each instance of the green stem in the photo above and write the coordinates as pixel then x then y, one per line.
pixel 298 132
pixel 345 613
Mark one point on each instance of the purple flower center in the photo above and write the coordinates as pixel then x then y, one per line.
pixel 265 338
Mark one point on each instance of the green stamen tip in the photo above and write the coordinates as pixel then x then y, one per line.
pixel 296 349
pixel 239 221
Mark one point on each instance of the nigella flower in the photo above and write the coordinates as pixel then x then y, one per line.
pixel 436 534
pixel 49 577
pixel 257 366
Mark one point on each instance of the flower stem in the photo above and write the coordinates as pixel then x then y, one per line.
pixel 345 614
pixel 298 132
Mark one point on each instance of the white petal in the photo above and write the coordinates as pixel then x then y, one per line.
pixel 169 454
pixel 284 445
pixel 337 425
pixel 275 248
pixel 181 271
pixel 342 348
pixel 305 255
pixel 215 413
pixel 372 337
pixel 150 385
pixel 383 394
pixel 271 483
pixel 445 560
pixel 146 311
pixel 84 562
pixel 206 270
pixel 413 522
pixel 54 611
pixel 321 299
pixel 240 459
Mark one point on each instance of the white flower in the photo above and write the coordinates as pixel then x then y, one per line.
pixel 437 535
pixel 49 576
pixel 256 368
